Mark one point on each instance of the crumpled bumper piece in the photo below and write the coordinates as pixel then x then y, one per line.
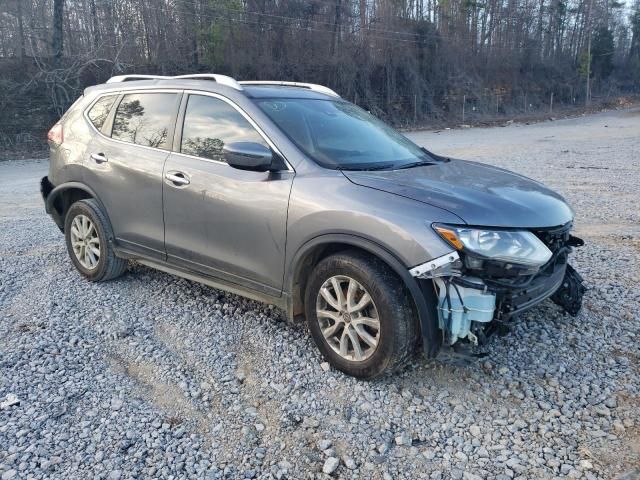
pixel 447 265
pixel 569 295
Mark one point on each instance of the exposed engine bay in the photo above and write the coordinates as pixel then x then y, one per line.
pixel 478 295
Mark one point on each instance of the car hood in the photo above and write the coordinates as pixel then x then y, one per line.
pixel 479 194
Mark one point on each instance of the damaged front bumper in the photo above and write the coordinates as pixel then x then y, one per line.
pixel 473 303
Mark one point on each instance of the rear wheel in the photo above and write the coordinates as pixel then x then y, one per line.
pixel 360 315
pixel 88 237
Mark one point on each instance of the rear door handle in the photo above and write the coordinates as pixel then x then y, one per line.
pixel 178 178
pixel 99 157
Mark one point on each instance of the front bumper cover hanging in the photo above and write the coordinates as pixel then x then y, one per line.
pixel 569 295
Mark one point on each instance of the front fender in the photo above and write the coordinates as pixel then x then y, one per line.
pixel 423 298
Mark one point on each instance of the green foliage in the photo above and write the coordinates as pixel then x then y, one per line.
pixel 216 35
pixel 213 44
pixel 475 4
pixel 602 51
pixel 561 9
pixel 633 67
pixel 583 65
pixel 635 31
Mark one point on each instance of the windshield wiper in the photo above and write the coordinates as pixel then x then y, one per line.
pixel 415 164
pixel 439 158
pixel 368 168
pixel 377 167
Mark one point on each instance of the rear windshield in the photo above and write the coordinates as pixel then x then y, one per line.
pixel 340 135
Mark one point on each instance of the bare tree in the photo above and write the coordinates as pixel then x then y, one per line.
pixel 405 60
pixel 57 42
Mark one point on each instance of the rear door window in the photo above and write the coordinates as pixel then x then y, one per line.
pixel 145 119
pixel 210 123
pixel 100 110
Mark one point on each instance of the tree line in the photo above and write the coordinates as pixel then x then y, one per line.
pixel 408 61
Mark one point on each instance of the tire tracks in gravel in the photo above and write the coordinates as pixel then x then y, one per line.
pixel 246 358
pixel 257 401
pixel 202 417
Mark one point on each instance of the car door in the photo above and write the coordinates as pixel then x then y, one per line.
pixel 125 166
pixel 219 220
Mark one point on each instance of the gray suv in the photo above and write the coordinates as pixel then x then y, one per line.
pixel 285 193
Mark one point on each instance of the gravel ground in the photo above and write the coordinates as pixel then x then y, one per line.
pixel 154 376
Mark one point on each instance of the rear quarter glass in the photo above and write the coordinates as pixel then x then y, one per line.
pixel 99 111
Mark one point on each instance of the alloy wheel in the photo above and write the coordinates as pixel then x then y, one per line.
pixel 348 318
pixel 85 241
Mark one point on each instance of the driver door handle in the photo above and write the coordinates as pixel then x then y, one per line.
pixel 99 157
pixel 177 178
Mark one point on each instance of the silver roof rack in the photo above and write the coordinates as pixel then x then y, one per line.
pixel 310 86
pixel 126 78
pixel 221 79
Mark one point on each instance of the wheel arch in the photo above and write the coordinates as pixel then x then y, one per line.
pixel 320 247
pixel 63 196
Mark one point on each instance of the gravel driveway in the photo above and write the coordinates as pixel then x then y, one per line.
pixel 154 376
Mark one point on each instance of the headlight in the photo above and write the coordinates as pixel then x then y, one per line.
pixel 520 247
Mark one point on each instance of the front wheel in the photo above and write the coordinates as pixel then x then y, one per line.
pixel 88 235
pixel 360 315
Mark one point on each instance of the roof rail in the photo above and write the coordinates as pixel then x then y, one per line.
pixel 126 78
pixel 221 79
pixel 310 86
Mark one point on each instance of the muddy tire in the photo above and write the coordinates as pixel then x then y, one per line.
pixel 361 315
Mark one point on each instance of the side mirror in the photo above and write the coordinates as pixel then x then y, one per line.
pixel 248 156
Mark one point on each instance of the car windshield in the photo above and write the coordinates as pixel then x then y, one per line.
pixel 340 135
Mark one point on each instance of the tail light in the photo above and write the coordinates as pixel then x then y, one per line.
pixel 56 134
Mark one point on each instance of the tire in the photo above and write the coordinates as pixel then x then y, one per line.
pixel 95 267
pixel 398 332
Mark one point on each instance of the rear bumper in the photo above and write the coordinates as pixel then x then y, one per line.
pixel 46 187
